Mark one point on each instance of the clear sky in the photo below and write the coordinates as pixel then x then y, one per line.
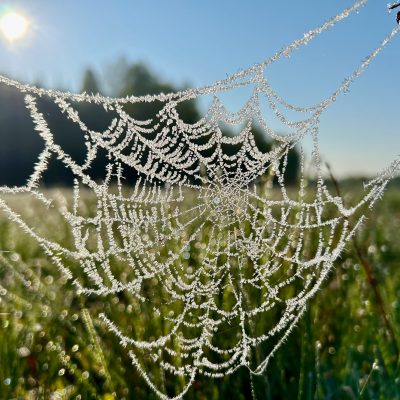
pixel 199 42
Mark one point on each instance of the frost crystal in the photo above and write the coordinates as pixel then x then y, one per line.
pixel 252 243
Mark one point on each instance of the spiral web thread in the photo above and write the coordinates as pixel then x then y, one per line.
pixel 197 238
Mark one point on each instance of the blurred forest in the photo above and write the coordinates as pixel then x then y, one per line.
pixel 21 145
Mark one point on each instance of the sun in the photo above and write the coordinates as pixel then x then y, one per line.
pixel 13 26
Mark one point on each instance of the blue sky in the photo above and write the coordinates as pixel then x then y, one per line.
pixel 200 42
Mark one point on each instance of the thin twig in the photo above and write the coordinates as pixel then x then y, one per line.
pixel 393 6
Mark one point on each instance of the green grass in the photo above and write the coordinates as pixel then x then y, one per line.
pixel 343 348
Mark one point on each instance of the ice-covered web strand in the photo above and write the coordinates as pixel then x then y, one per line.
pixel 251 242
pixel 192 93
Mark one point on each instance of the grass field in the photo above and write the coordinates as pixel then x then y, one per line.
pixel 345 347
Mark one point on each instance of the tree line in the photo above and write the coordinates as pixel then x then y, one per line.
pixel 21 145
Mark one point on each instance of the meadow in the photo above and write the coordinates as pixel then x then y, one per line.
pixel 345 347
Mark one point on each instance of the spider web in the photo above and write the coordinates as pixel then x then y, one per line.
pixel 198 240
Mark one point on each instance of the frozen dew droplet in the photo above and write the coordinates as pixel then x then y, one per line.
pixel 15 257
pixel 85 375
pixel 23 352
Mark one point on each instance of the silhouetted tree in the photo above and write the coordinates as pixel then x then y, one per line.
pixel 139 80
pixel 90 82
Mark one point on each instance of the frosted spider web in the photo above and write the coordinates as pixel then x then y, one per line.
pixel 198 227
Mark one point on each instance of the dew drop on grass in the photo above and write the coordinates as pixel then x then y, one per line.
pixel 85 375
pixel 23 351
pixel 75 317
pixel 7 381
pixel 14 257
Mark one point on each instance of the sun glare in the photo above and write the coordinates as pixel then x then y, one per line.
pixel 13 26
